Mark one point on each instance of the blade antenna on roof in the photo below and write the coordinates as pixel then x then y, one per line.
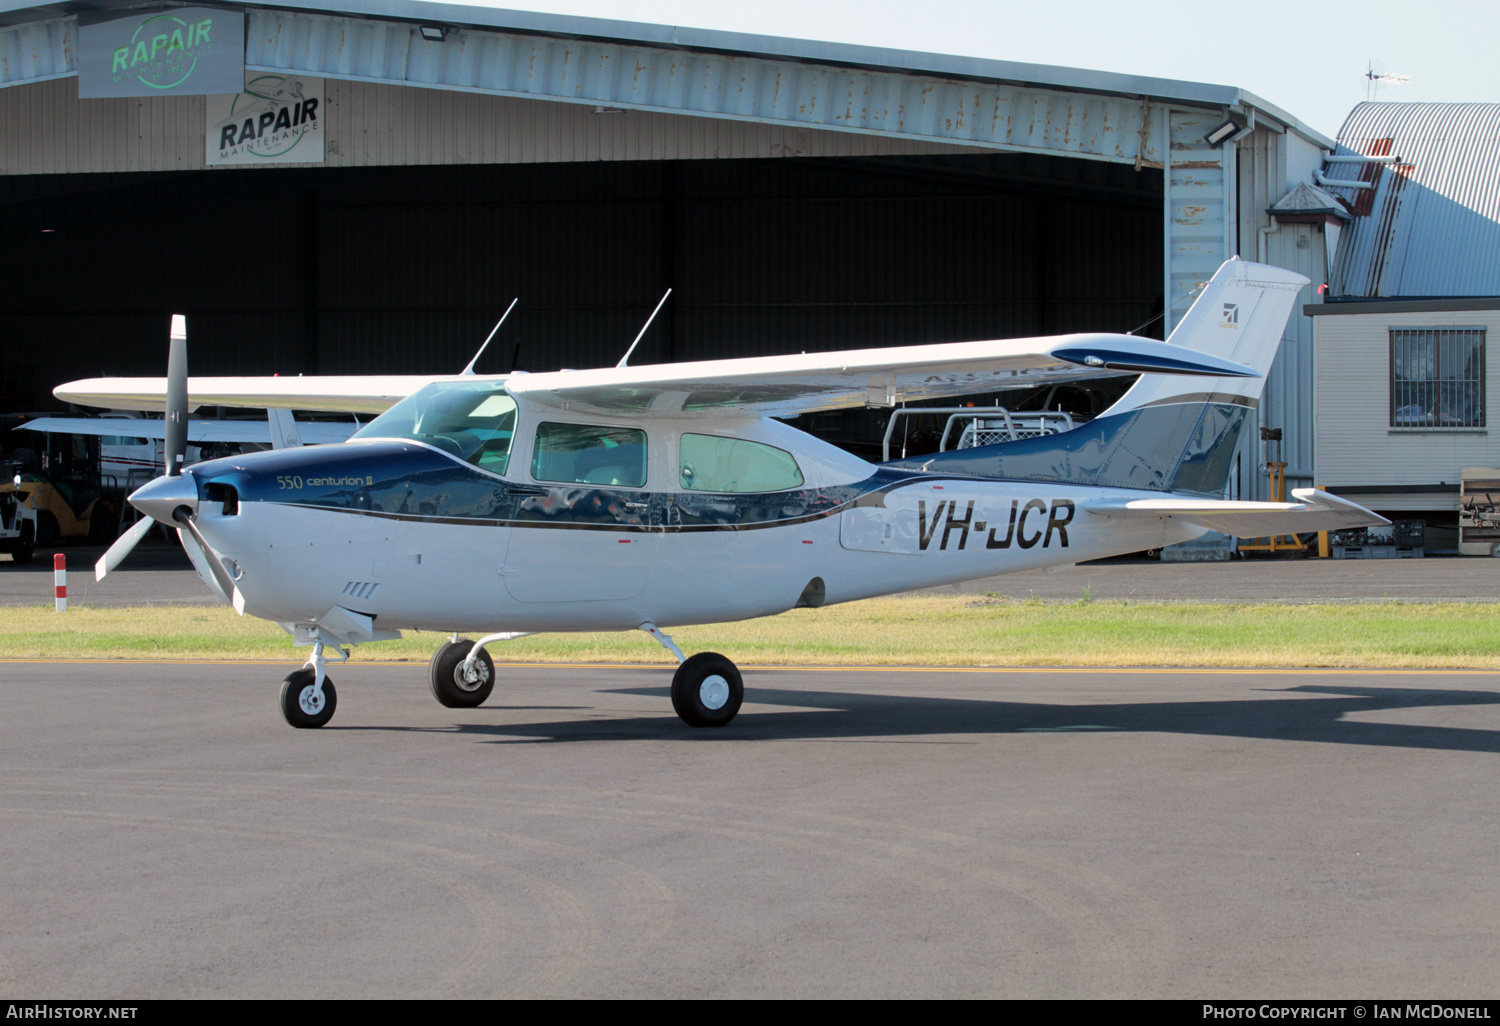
pixel 626 358
pixel 470 368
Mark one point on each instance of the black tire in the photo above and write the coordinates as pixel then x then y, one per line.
pixel 707 690
pixel 25 547
pixel 102 523
pixel 297 682
pixel 46 530
pixel 446 677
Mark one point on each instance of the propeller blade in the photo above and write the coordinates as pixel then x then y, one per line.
pixel 122 547
pixel 177 397
pixel 188 533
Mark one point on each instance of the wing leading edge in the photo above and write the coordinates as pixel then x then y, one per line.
pixel 347 393
pixel 199 431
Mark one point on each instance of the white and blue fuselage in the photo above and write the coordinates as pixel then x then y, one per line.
pixel 417 537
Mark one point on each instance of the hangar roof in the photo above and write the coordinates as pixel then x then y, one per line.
pixel 22 12
pixel 1430 224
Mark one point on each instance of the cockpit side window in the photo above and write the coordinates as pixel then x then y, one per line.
pixel 475 421
pixel 711 463
pixel 589 454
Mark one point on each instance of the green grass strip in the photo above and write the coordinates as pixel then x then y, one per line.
pixel 895 631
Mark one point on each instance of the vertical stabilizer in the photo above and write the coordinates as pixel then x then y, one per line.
pixel 1240 315
pixel 1169 432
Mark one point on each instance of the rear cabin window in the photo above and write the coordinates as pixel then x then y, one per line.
pixel 589 454
pixel 711 463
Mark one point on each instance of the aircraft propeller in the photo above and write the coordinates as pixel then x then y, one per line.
pixel 174 450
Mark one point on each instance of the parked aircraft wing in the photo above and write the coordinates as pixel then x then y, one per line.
pixel 200 432
pixel 784 386
pixel 767 386
pixel 1313 511
pixel 345 393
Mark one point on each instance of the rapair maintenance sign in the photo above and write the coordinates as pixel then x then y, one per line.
pixel 278 119
pixel 186 51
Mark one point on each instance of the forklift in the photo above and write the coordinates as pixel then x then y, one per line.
pixel 17 520
pixel 63 494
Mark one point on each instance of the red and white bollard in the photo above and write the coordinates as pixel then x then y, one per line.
pixel 60 580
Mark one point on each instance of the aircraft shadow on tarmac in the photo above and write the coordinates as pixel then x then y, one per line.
pixel 832 716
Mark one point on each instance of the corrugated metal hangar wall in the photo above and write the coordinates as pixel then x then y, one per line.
pixel 795 195
pixel 405 268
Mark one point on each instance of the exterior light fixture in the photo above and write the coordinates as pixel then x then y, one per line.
pixel 609 110
pixel 1221 132
pixel 433 33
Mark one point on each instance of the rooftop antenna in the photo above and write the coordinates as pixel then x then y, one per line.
pixel 624 359
pixel 1375 72
pixel 470 368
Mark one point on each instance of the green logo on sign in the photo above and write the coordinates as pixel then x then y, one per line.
pixel 163 52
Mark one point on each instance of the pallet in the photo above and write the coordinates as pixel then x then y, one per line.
pixel 1377 552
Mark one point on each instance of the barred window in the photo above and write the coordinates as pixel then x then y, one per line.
pixel 1437 378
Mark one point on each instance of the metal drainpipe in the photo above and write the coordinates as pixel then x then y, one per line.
pixel 1262 254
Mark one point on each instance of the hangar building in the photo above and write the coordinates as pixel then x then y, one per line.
pixel 795 195
pixel 1405 404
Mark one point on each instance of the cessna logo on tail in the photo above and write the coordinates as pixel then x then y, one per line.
pixel 1231 318
pixel 1058 519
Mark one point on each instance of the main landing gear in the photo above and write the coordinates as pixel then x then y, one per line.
pixel 707 690
pixel 458 681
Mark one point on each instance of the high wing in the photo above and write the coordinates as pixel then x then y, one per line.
pixel 199 431
pixel 1314 510
pixel 346 393
pixel 767 386
pixel 784 386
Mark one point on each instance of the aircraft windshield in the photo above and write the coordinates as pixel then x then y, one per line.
pixel 473 420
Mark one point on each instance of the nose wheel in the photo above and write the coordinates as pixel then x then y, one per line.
pixel 302 703
pixel 307 695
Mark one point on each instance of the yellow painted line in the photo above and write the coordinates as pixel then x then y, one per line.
pixel 832 668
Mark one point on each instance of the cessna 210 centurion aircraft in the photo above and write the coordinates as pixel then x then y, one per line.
pixel 647 497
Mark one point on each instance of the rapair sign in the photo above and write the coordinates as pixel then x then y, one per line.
pixel 278 119
pixel 189 51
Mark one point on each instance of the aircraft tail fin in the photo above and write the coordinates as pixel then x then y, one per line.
pixel 1168 432
pixel 1240 315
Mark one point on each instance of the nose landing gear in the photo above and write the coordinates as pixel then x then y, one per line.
pixel 304 705
pixel 307 695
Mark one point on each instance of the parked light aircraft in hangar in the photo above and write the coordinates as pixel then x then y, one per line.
pixel 647 497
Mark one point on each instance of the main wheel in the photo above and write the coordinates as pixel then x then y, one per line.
pixel 47 530
pixel 26 547
pixel 299 703
pixel 707 690
pixel 454 688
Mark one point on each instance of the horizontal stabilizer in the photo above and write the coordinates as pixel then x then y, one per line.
pixel 1313 511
